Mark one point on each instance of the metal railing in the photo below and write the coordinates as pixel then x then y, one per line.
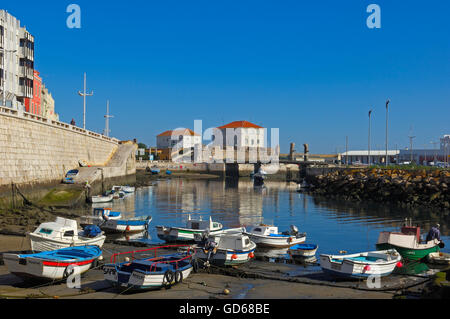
pixel 41 119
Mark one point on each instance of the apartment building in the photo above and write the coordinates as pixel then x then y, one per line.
pixel 16 62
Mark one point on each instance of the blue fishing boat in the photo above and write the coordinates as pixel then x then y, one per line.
pixel 147 273
pixel 168 172
pixel 303 250
pixel 53 265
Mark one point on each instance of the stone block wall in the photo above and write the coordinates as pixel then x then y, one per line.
pixel 38 150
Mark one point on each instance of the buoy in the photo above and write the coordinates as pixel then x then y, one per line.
pixel 127 258
pixel 251 255
pixel 128 228
pixel 234 256
pixel 399 264
pixel 226 292
pixel 367 268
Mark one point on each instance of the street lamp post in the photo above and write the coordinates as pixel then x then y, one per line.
pixel 387 106
pixel 84 94
pixel 435 151
pixel 368 157
pixel 107 117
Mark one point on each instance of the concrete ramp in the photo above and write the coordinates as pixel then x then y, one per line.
pixel 121 164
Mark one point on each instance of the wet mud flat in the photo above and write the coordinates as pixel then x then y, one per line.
pixel 257 279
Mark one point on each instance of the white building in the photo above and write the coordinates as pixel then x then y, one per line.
pixel 425 156
pixel 239 134
pixel 180 138
pixel 16 62
pixel 376 157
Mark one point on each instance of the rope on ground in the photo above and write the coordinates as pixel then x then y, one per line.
pixel 243 274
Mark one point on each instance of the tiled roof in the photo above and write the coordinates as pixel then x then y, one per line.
pixel 238 124
pixel 179 132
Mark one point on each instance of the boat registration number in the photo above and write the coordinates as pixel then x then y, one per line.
pixel 335 266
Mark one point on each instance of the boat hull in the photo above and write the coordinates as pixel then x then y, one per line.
pixel 174 234
pixel 39 243
pixel 409 253
pixel 139 280
pixel 225 257
pixel 275 242
pixel 125 226
pixel 46 269
pixel 303 252
pixel 351 267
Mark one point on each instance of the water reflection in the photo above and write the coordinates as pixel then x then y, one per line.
pixel 333 225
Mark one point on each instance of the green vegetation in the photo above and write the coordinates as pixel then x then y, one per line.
pixel 58 196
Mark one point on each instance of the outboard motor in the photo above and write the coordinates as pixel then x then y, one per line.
pixel 294 230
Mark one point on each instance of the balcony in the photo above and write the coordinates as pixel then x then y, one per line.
pixel 26 72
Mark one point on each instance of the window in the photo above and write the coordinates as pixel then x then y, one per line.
pixel 195 226
pixel 46 231
pixel 69 233
pixel 247 242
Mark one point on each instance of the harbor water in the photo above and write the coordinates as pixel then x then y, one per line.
pixel 333 225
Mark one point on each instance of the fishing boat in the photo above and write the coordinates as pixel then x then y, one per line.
pixel 102 198
pixel 147 273
pixel 68 179
pixel 408 243
pixel 361 265
pixel 193 226
pixel 438 258
pixel 303 250
pixel 99 216
pixel 155 170
pixel 168 172
pixel 125 189
pixel 268 236
pixel 53 265
pixel 63 233
pixel 130 225
pixel 227 249
pixel 303 186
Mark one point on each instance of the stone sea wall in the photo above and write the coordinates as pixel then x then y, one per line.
pixel 407 187
pixel 36 150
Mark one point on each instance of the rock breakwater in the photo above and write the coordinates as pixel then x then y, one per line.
pixel 406 187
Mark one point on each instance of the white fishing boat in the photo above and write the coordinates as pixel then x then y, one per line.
pixel 125 189
pixel 226 249
pixel 99 216
pixel 438 258
pixel 102 198
pixel 193 226
pixel 53 265
pixel 63 233
pixel 130 225
pixel 303 250
pixel 268 236
pixel 147 273
pixel 361 265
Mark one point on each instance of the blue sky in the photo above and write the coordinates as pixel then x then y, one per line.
pixel 311 68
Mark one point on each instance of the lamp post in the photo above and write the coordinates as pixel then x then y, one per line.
pixel 368 157
pixel 387 106
pixel 84 94
pixel 435 152
pixel 107 117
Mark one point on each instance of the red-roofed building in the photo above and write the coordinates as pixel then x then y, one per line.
pixel 239 134
pixel 180 138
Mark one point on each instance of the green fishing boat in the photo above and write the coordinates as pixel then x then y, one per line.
pixel 408 243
